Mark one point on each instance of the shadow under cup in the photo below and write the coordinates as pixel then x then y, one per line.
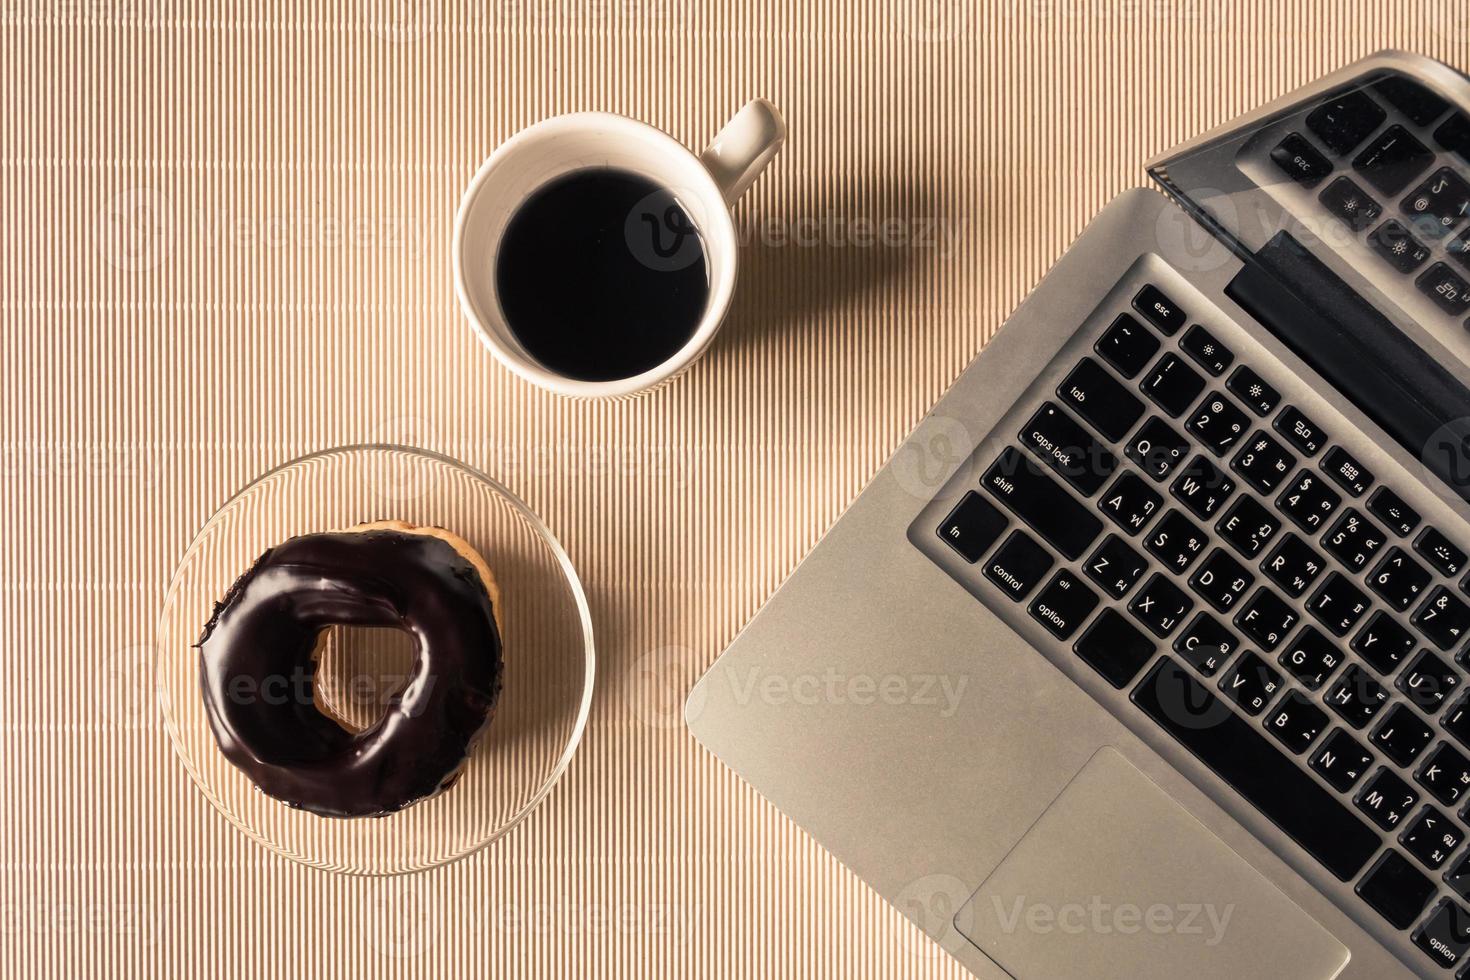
pixel 553 150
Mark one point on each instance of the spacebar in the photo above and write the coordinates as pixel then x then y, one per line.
pixel 1256 769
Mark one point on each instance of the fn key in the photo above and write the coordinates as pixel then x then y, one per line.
pixel 972 527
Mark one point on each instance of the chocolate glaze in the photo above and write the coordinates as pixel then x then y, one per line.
pixel 256 669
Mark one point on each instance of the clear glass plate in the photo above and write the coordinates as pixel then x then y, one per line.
pixel 548 651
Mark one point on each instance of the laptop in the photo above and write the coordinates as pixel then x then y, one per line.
pixel 1146 653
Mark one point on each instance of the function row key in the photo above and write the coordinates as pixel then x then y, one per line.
pixel 1350 474
pixel 1393 511
pixel 1307 436
pixel 1206 350
pixel 1350 203
pixel 1159 309
pixel 1253 390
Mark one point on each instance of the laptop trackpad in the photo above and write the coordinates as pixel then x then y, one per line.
pixel 1118 880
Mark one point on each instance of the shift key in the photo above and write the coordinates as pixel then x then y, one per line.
pixel 1101 399
pixel 1041 502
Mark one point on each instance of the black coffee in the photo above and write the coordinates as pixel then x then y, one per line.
pixel 602 275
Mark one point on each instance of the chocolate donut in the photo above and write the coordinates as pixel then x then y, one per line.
pixel 257 664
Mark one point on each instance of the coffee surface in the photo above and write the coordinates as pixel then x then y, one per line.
pixel 602 275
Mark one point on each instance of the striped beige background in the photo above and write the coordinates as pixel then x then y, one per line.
pixel 224 240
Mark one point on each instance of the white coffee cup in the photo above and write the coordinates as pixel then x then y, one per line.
pixel 705 185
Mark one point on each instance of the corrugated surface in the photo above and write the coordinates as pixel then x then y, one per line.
pixel 224 234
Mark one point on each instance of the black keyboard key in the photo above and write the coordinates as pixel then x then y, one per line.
pixel 1386 799
pixel 1458 877
pixel 1205 644
pixel 1159 309
pixel 1266 619
pixel 1175 542
pixel 1218 423
pixel 1296 721
pixel 1128 346
pixel 1100 399
pixel 1454 135
pixel 1396 890
pixel 1206 351
pixel 1341 760
pixel 1308 501
pixel 1307 436
pixel 1157 448
pixel 1263 463
pixel 1383 643
pixel 1160 605
pixel 1311 658
pixel 1431 837
pixel 1349 474
pixel 1338 604
pixel 1115 648
pixel 1443 618
pixel 1172 384
pixel 1344 121
pixel 1399 580
pixel 1392 159
pixel 1069 449
pixel 1292 564
pixel 1445 772
pixel 1397 246
pixel 1018 566
pixel 1412 99
pixel 1115 566
pixel 1456 721
pixel 1130 502
pixel 1356 696
pixel 1446 556
pixel 1428 682
pixel 1349 202
pixel 1040 501
pixel 1447 288
pixel 1253 390
pixel 1062 606
pixel 1353 540
pixel 1445 934
pixel 1255 768
pixel 1221 580
pixel 1401 735
pixel 1300 160
pixel 1438 206
pixel 1459 248
pixel 972 527
pixel 1248 526
pixel 1202 487
pixel 1391 509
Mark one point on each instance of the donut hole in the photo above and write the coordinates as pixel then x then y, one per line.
pixel 358 671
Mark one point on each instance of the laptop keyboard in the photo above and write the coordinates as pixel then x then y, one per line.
pixel 1369 156
pixel 1210 549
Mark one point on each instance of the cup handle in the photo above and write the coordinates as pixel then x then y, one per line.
pixel 740 151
